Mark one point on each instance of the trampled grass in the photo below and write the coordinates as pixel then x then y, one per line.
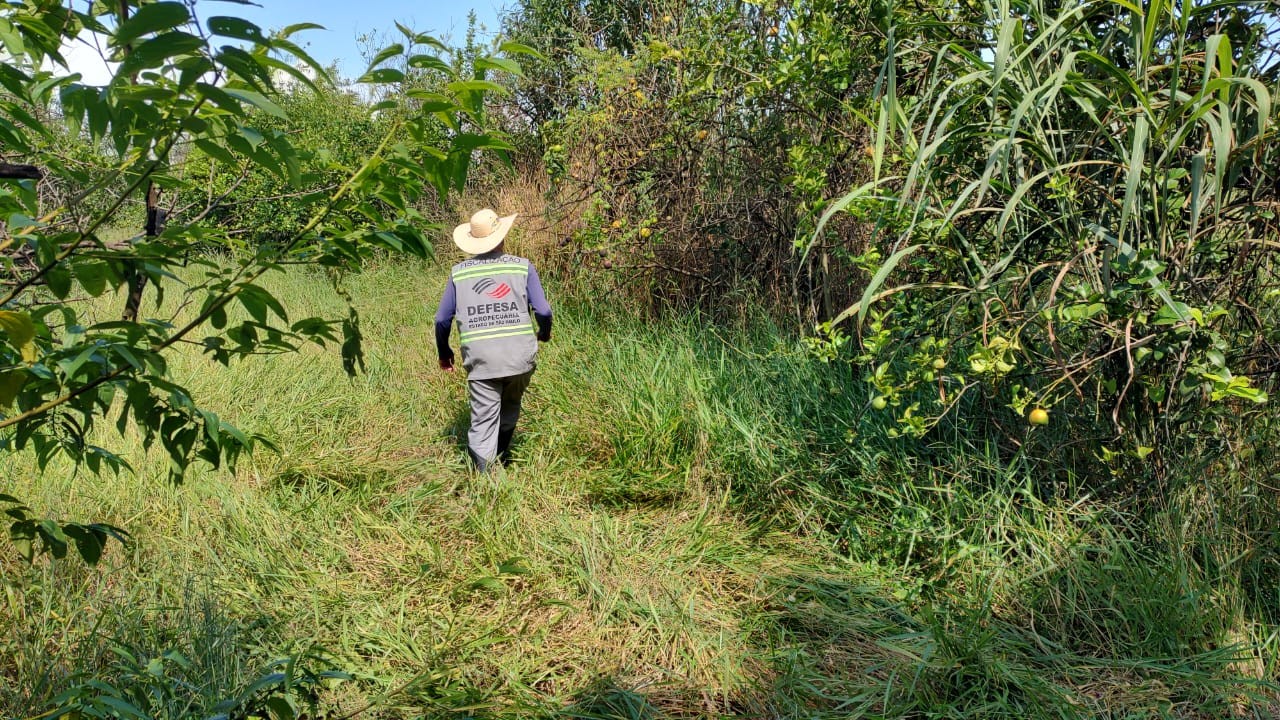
pixel 700 523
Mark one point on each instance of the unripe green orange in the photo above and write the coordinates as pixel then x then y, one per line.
pixel 1038 416
pixel 879 402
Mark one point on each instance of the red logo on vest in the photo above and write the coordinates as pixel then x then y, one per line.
pixel 496 291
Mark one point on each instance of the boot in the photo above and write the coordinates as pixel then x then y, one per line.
pixel 481 465
pixel 504 445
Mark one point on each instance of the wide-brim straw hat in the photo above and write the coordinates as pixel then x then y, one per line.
pixel 485 231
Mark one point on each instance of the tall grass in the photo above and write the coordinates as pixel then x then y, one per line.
pixel 700 522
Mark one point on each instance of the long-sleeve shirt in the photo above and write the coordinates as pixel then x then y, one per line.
pixel 448 308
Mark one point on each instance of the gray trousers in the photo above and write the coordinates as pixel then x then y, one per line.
pixel 495 408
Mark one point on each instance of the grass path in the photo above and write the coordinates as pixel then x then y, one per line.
pixel 514 592
pixel 666 545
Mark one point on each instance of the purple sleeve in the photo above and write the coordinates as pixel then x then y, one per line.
pixel 444 320
pixel 538 298
pixel 541 308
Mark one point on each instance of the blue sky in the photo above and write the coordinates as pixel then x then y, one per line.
pixel 345 20
pixel 343 23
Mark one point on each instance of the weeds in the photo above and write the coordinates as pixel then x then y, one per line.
pixel 699 523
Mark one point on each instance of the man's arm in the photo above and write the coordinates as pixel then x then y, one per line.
pixel 444 325
pixel 541 308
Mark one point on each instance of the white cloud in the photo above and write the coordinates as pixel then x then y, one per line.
pixel 86 55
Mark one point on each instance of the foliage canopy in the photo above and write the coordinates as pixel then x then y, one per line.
pixel 203 92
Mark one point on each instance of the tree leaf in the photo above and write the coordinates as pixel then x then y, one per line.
pixel 59 279
pixel 21 333
pixel 511 47
pixel 876 282
pixel 289 30
pixel 149 19
pixel 382 76
pixel 464 86
pixel 216 151
pixel 92 276
pixel 11 382
pixel 503 64
pixel 430 62
pixel 153 53
pixel 89 542
pixel 257 100
pixel 388 52
pixel 235 27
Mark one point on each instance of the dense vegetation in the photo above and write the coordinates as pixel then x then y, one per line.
pixel 912 360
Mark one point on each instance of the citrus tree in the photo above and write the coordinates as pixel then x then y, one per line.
pixel 184 88
pixel 1077 225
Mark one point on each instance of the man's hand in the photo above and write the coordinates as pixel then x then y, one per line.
pixel 544 337
pixel 446 364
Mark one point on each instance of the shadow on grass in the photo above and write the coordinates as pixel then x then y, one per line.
pixel 833 647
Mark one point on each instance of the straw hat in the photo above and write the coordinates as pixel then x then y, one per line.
pixel 485 231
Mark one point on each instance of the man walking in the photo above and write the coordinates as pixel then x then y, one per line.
pixel 490 294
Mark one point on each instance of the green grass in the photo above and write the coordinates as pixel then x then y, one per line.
pixel 700 523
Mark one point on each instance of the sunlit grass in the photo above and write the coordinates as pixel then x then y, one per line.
pixel 697 525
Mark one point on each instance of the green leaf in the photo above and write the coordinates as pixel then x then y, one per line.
pixel 89 543
pixel 20 332
pixel 428 40
pixel 260 298
pixel 235 27
pixel 511 47
pixel 872 287
pixel 382 75
pixel 92 277
pixel 468 86
pixel 386 53
pixel 289 30
pixel 244 66
pixel 491 584
pixel 294 72
pixel 513 566
pixel 11 382
pixel 430 62
pixel 59 279
pixel 1136 162
pixel 24 544
pixel 153 53
pixel 12 39
pixel 149 19
pixel 122 709
pixel 259 101
pixel 280 708
pixel 503 64
pixel 432 101
pixel 55 541
pixel 216 151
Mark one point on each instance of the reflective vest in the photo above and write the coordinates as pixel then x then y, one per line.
pixel 496 329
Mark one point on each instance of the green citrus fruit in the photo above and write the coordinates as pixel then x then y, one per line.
pixel 879 402
pixel 1038 416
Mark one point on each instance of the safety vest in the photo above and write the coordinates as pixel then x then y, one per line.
pixel 497 332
